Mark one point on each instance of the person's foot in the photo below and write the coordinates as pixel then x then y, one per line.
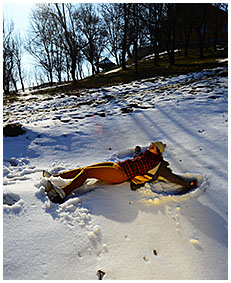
pixel 55 194
pixel 46 174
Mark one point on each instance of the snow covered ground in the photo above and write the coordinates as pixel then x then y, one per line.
pixel 141 234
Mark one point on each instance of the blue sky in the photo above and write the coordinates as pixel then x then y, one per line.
pixel 19 14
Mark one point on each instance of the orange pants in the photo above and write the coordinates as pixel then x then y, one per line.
pixel 108 172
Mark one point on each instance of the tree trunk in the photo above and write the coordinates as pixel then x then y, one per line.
pixel 201 46
pixel 186 50
pixel 171 57
pixel 156 52
pixel 73 67
pixel 14 83
pixel 6 87
pixel 92 69
pixel 215 37
pixel 135 56
pixel 20 77
pixel 124 46
pixel 123 59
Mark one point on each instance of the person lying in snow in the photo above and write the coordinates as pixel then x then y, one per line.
pixel 142 168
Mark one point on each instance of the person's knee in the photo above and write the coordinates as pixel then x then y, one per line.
pixel 85 172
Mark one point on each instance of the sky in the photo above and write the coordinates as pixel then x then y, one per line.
pixel 19 14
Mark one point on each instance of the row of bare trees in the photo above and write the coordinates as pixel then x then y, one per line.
pixel 63 37
pixel 12 59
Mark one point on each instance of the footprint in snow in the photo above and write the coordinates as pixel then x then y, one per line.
pixel 195 242
pixel 10 198
pixel 12 203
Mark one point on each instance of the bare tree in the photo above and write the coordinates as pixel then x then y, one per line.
pixel 40 42
pixel 169 24
pixel 200 20
pixel 93 34
pixel 8 56
pixel 69 34
pixel 18 59
pixel 151 15
pixel 134 31
pixel 125 33
pixel 185 24
pixel 54 40
pixel 218 22
pixel 38 76
pixel 112 24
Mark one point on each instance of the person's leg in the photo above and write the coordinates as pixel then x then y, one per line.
pixel 111 174
pixel 73 173
pixel 68 174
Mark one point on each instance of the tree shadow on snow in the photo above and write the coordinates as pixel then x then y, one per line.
pixel 31 143
pixel 20 146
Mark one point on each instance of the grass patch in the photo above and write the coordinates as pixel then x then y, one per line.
pixel 146 69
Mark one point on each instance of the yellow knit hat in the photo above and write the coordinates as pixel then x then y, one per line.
pixel 161 146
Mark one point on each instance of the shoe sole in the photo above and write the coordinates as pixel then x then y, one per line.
pixel 46 174
pixel 49 188
pixel 51 193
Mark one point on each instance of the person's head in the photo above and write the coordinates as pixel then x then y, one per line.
pixel 157 147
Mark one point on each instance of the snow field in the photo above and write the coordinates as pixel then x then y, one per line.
pixel 144 234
